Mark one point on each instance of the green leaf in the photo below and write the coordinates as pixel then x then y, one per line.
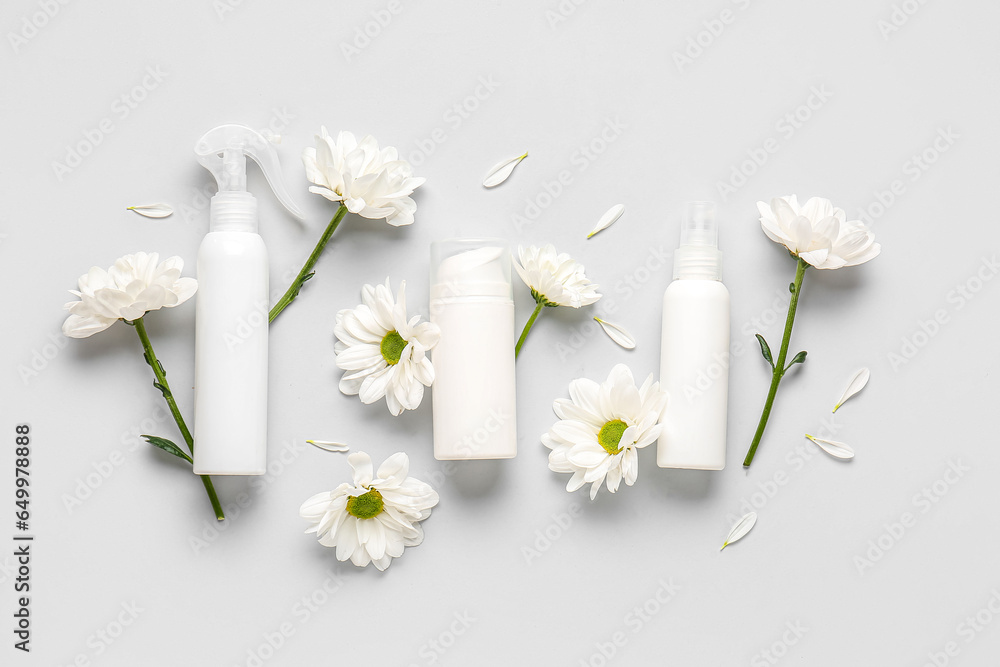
pixel 765 349
pixel 167 446
pixel 791 287
pixel 799 358
pixel 163 390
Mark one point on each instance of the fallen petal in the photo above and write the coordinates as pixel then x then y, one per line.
pixel 741 528
pixel 608 219
pixel 328 446
pixel 152 210
pixel 857 383
pixel 617 334
pixel 833 448
pixel 502 171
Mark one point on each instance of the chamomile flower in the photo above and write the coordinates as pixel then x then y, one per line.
pixel 382 353
pixel 372 519
pixel 601 428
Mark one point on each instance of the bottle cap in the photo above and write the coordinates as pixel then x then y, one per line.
pixel 698 257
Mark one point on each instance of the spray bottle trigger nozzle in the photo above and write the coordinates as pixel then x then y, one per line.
pixel 223 151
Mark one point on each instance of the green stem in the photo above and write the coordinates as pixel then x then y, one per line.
pixel 779 369
pixel 307 269
pixel 527 328
pixel 161 381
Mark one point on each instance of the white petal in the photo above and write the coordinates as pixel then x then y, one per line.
pixel 502 171
pixel 856 384
pixel 609 218
pixel 741 528
pixel 328 446
pixel 152 210
pixel 836 449
pixel 617 334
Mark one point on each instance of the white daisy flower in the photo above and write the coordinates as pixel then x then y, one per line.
pixel 135 285
pixel 372 520
pixel 818 232
pixel 383 353
pixel 555 279
pixel 373 183
pixel 601 428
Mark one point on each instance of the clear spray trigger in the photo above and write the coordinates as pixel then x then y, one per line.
pixel 223 151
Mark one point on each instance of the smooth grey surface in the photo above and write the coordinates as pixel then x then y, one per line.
pixel 560 72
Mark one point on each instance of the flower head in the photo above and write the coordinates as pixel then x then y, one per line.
pixel 133 286
pixel 383 353
pixel 817 232
pixel 373 519
pixel 601 428
pixel 373 183
pixel 555 279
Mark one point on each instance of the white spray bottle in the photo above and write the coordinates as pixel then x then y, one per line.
pixel 230 394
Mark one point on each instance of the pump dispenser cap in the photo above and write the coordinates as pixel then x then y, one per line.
pixel 223 151
pixel 698 257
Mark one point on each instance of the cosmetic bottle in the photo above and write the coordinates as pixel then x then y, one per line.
pixel 230 393
pixel 471 300
pixel 694 351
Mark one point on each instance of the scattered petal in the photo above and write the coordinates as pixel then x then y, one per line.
pixel 152 210
pixel 741 528
pixel 857 383
pixel 502 171
pixel 836 449
pixel 608 219
pixel 617 334
pixel 328 446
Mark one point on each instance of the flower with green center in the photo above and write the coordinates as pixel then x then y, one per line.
pixel 601 428
pixel 376 517
pixel 382 353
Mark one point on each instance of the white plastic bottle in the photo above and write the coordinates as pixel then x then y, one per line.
pixel 694 352
pixel 472 301
pixel 230 422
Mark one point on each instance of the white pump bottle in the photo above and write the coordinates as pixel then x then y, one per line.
pixel 230 423
pixel 694 353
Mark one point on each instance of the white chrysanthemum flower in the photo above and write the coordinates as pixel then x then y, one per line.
pixel 555 279
pixel 372 520
pixel 383 353
pixel 602 427
pixel 135 285
pixel 818 232
pixel 373 183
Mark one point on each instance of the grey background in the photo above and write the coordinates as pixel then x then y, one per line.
pixel 561 72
